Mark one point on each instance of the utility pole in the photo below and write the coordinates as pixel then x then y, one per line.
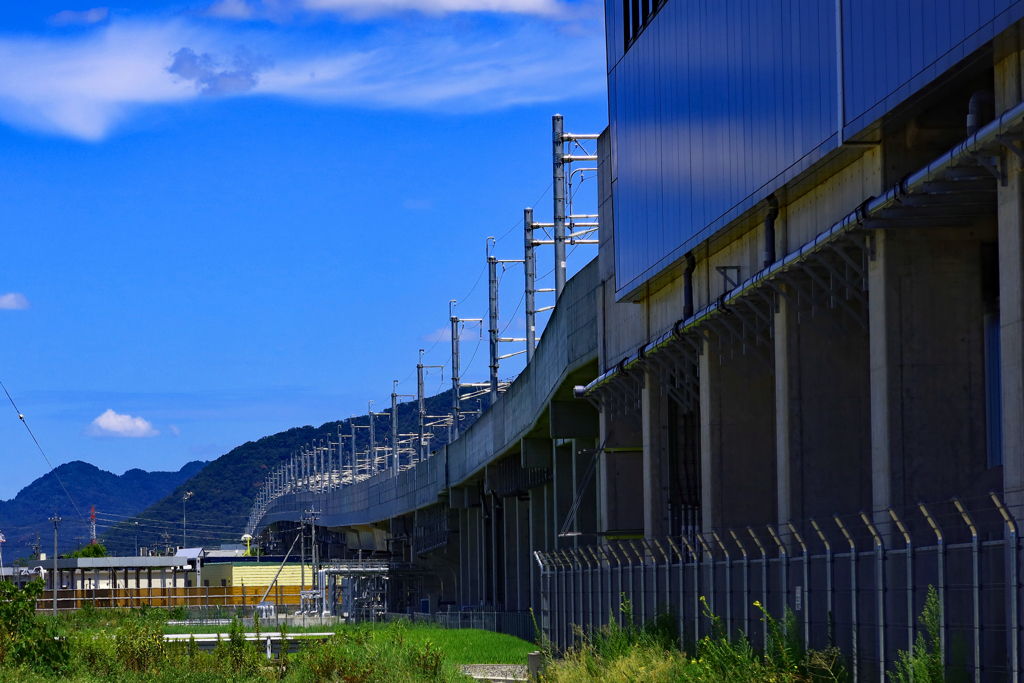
pixel 421 411
pixel 394 427
pixel 373 440
pixel 352 428
pixel 558 189
pixel 456 402
pixel 421 400
pixel 495 340
pixel 530 266
pixel 56 520
pixel 492 327
pixel 186 496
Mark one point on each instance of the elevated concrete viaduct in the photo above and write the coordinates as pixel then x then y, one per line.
pixel 815 400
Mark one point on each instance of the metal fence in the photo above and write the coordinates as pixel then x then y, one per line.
pixel 845 585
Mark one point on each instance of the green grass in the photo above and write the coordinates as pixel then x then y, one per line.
pixel 472 646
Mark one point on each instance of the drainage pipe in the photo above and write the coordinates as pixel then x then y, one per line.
pixel 769 230
pixel 691 264
pixel 980 101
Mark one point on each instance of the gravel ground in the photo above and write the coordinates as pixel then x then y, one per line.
pixel 500 671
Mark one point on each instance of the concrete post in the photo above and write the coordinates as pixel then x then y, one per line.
pixel 738 444
pixel 655 500
pixel 1008 93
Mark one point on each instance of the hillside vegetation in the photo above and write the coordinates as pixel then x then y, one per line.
pixel 224 490
pixel 22 517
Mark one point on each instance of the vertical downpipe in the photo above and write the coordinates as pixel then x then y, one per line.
pixel 691 264
pixel 769 230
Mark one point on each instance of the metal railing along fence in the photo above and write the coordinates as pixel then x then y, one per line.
pixel 856 582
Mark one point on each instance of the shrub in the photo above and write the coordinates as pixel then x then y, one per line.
pixel 139 645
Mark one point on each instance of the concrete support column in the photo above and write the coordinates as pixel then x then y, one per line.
pixel 1008 93
pixel 523 555
pixel 822 415
pixel 738 467
pixel 655 462
pixel 564 492
pixel 619 487
pixel 510 551
pixel 927 372
pixel 537 528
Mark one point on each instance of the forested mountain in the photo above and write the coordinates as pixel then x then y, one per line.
pixel 115 497
pixel 224 490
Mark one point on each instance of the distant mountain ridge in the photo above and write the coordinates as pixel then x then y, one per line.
pixel 114 496
pixel 223 491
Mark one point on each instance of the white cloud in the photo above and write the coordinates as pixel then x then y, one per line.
pixel 114 424
pixel 89 16
pixel 175 430
pixel 363 9
pixel 439 335
pixel 84 86
pixel 231 9
pixel 13 301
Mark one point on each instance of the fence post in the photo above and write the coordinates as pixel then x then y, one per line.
pixel 880 591
pixel 696 589
pixel 975 552
pixel 728 586
pixel 806 598
pixel 597 566
pixel 641 556
pixel 603 559
pixel 746 585
pixel 940 551
pixel 853 596
pixel 711 576
pixel 1014 618
pixel 618 593
pixel 910 579
pixel 681 626
pixel 783 575
pixel 764 586
pixel 828 580
pixel 668 577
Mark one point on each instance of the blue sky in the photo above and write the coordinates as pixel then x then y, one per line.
pixel 224 220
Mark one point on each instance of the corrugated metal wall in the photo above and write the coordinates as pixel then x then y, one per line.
pixel 716 104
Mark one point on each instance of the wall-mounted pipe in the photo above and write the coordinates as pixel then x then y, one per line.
pixel 1010 121
pixel 769 230
pixel 691 264
pixel 982 102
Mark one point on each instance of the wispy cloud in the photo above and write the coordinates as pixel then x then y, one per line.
pixel 13 301
pixel 439 335
pixel 83 86
pixel 365 9
pixel 89 16
pixel 115 424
